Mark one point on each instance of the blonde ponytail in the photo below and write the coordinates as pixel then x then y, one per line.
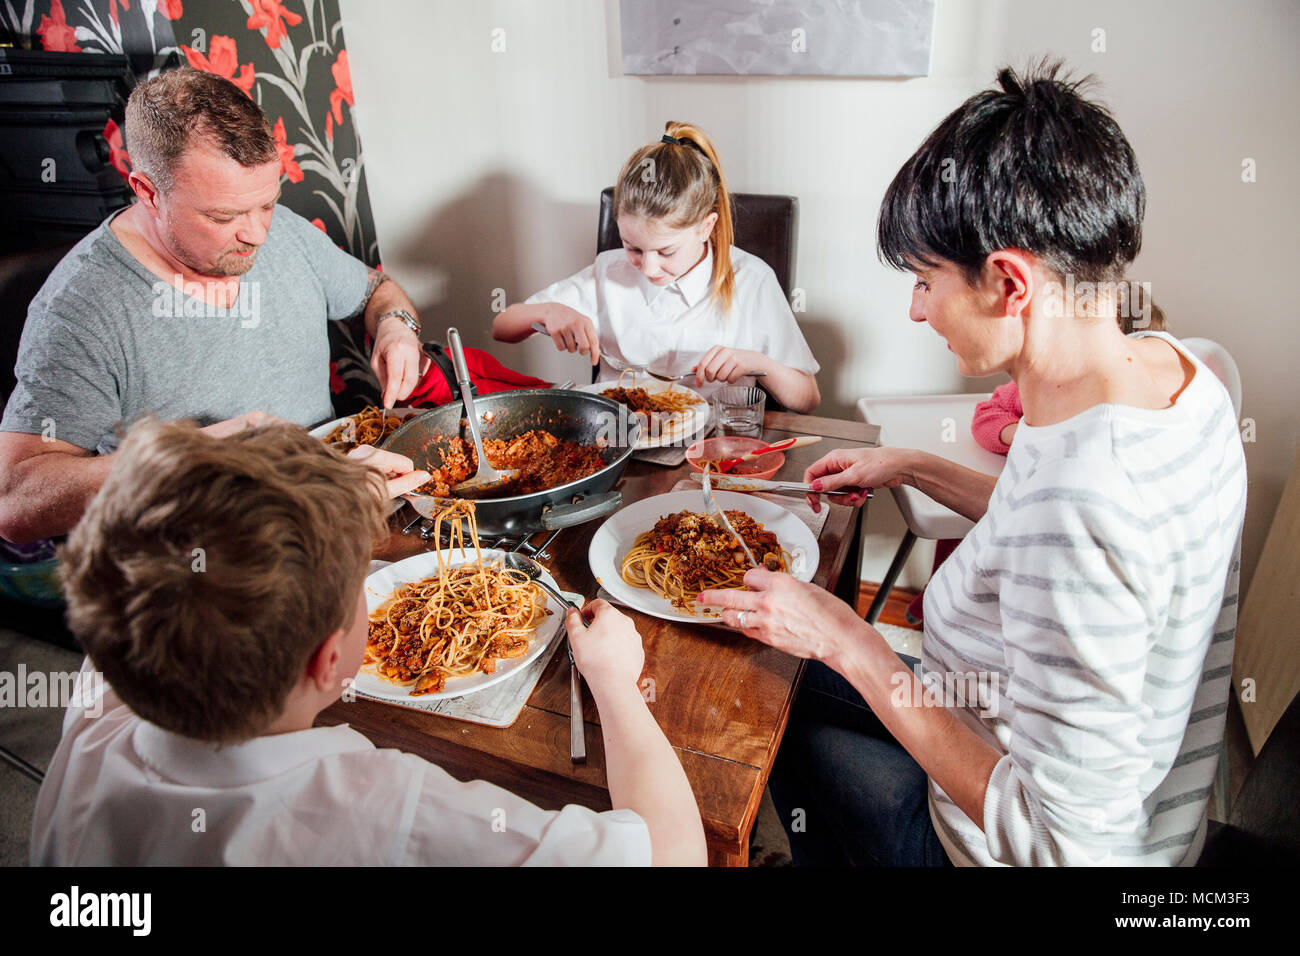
pixel 679 180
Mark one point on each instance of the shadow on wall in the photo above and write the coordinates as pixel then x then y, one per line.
pixel 468 242
pixel 477 245
pixel 831 349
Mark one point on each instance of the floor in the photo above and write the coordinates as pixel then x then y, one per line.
pixel 32 733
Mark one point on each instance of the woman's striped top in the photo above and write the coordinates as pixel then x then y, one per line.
pixel 1085 628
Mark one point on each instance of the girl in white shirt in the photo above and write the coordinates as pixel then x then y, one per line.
pixel 679 297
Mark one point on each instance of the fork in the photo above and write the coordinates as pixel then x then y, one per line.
pixel 711 507
pixel 686 375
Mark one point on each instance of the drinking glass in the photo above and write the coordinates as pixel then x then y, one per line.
pixel 739 410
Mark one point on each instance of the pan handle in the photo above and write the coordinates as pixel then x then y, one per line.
pixel 595 506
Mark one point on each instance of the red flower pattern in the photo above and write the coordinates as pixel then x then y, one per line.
pixel 269 14
pixel 55 33
pixel 224 61
pixel 287 165
pixel 342 92
pixel 336 380
pixel 171 9
pixel 112 8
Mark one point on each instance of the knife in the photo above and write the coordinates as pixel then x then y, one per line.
pixel 741 483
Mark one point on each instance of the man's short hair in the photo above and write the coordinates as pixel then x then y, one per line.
pixel 1031 166
pixel 207 570
pixel 165 115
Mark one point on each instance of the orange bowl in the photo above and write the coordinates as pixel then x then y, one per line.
pixel 733 446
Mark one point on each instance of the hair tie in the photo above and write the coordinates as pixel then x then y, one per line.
pixel 675 142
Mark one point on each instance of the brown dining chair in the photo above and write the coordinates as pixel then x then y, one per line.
pixel 765 226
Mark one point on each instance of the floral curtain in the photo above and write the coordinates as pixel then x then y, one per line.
pixel 291 59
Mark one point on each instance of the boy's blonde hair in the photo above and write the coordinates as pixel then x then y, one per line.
pixel 208 570
pixel 681 183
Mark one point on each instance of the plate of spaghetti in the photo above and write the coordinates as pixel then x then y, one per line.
pixel 370 426
pixel 670 413
pixel 656 554
pixel 451 622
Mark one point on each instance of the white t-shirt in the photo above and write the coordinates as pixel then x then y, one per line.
pixel 1091 614
pixel 669 328
pixel 121 791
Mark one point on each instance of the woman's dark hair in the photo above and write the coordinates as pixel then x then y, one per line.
pixel 1031 166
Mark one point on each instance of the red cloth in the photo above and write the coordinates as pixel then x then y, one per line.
pixel 485 371
pixel 991 416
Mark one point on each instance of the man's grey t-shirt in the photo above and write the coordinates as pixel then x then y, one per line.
pixel 107 341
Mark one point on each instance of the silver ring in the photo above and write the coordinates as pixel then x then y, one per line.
pixel 741 618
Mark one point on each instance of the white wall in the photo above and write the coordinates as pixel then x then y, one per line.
pixel 484 170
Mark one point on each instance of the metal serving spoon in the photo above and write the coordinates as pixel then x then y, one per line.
pixel 487 475
pixel 577 728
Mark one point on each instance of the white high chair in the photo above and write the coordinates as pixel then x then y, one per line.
pixel 939 424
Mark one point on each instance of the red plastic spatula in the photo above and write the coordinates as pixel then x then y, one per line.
pixel 726 464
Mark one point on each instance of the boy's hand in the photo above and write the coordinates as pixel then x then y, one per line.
pixel 398 470
pixel 232 426
pixel 571 331
pixel 607 647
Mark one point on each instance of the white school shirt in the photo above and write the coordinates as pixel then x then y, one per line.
pixel 1091 612
pixel 668 328
pixel 122 791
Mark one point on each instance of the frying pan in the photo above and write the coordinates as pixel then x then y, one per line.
pixel 568 415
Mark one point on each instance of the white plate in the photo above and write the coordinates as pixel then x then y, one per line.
pixel 387 579
pixel 320 431
pixel 673 431
pixel 614 539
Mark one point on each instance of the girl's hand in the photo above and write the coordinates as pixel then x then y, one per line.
pixel 571 331
pixel 398 470
pixel 721 364
pixel 863 468
pixel 790 615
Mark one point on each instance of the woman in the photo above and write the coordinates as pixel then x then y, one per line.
pixel 1069 704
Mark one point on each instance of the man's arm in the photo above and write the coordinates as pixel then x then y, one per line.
pixel 396 357
pixel 46 484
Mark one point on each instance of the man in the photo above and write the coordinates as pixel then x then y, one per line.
pixel 203 300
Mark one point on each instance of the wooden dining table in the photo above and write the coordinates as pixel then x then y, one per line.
pixel 721 699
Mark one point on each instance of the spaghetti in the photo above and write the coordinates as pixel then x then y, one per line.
pixel 369 426
pixel 457 623
pixel 665 402
pixel 543 462
pixel 687 552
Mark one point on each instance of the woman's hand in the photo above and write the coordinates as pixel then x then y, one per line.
pixel 398 470
pixel 571 331
pixel 721 364
pixel 606 646
pixel 788 614
pixel 860 468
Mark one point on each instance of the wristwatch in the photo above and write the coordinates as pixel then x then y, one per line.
pixel 410 321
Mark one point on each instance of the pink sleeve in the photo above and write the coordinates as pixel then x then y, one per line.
pixel 991 416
